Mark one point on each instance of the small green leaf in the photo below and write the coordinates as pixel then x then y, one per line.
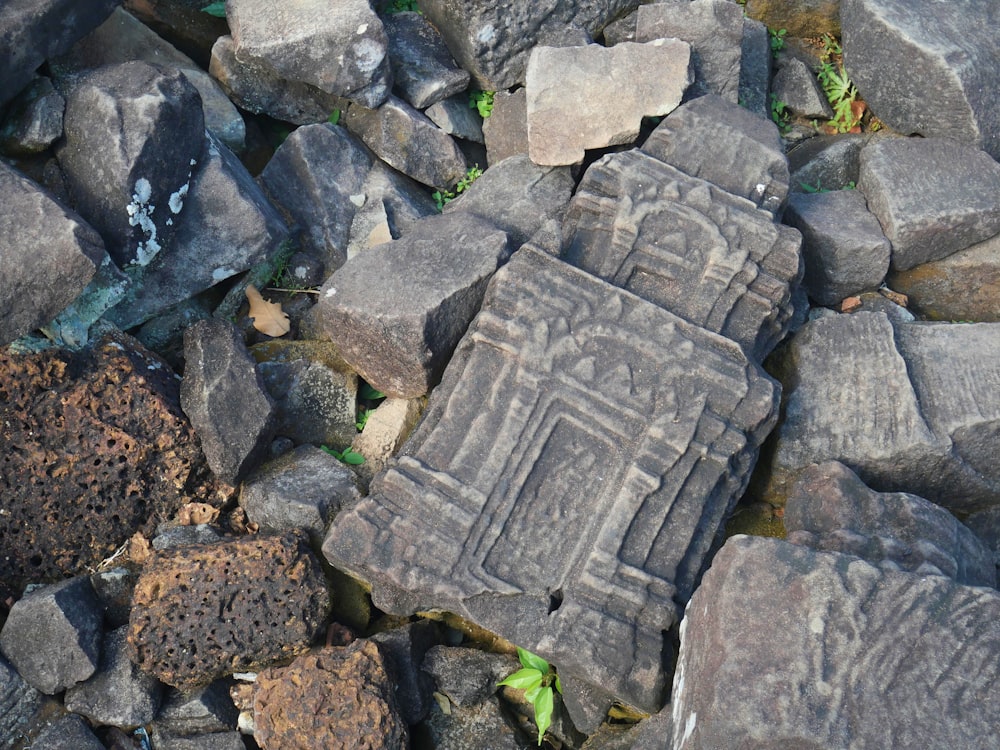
pixel 558 685
pixel 215 9
pixel 368 393
pixel 531 661
pixel 544 704
pixel 523 679
pixel 352 457
pixel 334 117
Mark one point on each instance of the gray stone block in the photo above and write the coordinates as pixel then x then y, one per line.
pixel 574 84
pixel 404 649
pixel 422 67
pixel 727 145
pixel 45 261
pixel 341 49
pixel 831 510
pixel 396 311
pixel 932 196
pixel 826 162
pixel 19 706
pixel 455 117
pixel 211 741
pixel 706 255
pixel 224 397
pixel 68 731
pixel 843 246
pixel 850 656
pixel 795 85
pixel 34 120
pixel 565 382
pixel 52 636
pixel 204 710
pixel 713 28
pixel 923 68
pixel 119 693
pixel 468 676
pixel 302 489
pixel 505 131
pixel 755 68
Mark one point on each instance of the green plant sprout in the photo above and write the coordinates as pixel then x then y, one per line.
pixel 840 91
pixel 347 456
pixel 362 420
pixel 368 393
pixel 780 114
pixel 446 196
pixel 334 117
pixel 215 9
pixel 818 187
pixel 777 40
pixel 401 6
pixel 482 102
pixel 537 679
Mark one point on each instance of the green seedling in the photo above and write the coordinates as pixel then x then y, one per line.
pixel 482 102
pixel 840 91
pixel 334 117
pixel 446 196
pixel 367 393
pixel 818 187
pixel 777 40
pixel 537 679
pixel 362 420
pixel 346 456
pixel 215 9
pixel 780 113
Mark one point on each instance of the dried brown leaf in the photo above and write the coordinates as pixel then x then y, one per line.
pixel 267 317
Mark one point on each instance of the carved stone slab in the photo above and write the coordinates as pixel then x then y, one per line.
pixel 707 255
pixel 569 477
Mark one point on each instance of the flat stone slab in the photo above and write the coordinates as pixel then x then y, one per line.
pixel 574 85
pixel 563 381
pixel 706 255
pixel 932 196
pixel 847 655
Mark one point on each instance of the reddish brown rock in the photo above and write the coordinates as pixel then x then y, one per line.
pixel 94 448
pixel 331 697
pixel 204 611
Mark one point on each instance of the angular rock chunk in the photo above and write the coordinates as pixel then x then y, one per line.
pixel 422 67
pixel 337 697
pixel 69 730
pixel 706 255
pixel 725 144
pixel 857 657
pixel 206 710
pixel 965 286
pixel 227 227
pixel 257 87
pixel 19 704
pixel 455 117
pixel 202 612
pixel 119 693
pixel 396 311
pixel 35 31
pixel 224 397
pixel 303 489
pixel 562 83
pixel 107 419
pixel 932 196
pixel 922 68
pixel 913 409
pixel 386 429
pixel 404 649
pixel 134 134
pixel 407 140
pixel 53 635
pixel 492 40
pixel 34 120
pixel 48 254
pixel 564 379
pixel 505 131
pixel 795 85
pixel 467 675
pixel 713 28
pixel 340 48
pixel 843 246
pixel 755 70
pixel 831 510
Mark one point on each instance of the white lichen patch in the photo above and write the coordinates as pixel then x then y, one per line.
pixel 300 272
pixel 368 55
pixel 358 199
pixel 176 201
pixel 222 273
pixel 486 34
pixel 362 28
pixel 330 292
pixel 140 214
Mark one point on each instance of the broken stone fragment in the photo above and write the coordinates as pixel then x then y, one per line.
pixel 423 69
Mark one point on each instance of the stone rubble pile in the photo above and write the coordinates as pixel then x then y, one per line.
pixel 515 410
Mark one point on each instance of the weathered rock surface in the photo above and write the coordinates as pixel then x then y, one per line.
pixel 923 68
pixel 395 312
pixel 202 612
pixel 224 397
pixel 206 710
pixel 97 449
pixel 910 407
pixel 831 510
pixel 755 69
pixel 713 28
pixel 455 117
pixel 331 697
pixel 801 18
pixel 423 70
pixel 386 429
pixel 34 119
pixel 704 254
pixel 404 649
pixel 552 339
pixel 563 82
pixel 340 49
pixel 303 489
pixel 795 85
pixel 932 196
pixel 68 730
pixel 19 705
pixel 52 636
pixel 505 131
pixel 48 254
pixel 468 676
pixel 855 657
pixel 36 31
pixel 133 136
pixel 843 247
pixel 723 143
pixel 118 694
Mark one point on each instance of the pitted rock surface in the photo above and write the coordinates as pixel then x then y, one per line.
pixel 207 610
pixel 564 380
pixel 331 697
pixel 700 252
pixel 117 455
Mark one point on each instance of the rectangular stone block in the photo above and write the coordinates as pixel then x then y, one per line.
pixel 568 480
